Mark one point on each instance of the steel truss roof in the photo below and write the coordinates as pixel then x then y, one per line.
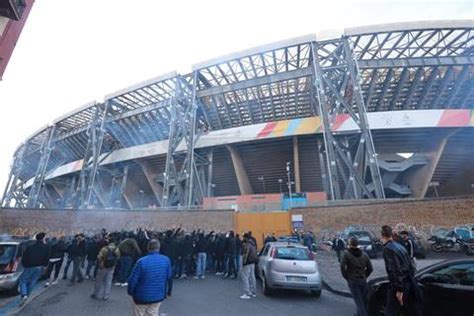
pixel 426 65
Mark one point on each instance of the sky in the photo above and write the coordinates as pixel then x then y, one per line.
pixel 74 51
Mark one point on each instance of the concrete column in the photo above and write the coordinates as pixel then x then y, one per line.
pixel 296 161
pixel 240 172
pixel 151 176
pixel 420 178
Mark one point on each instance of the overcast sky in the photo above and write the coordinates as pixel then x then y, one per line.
pixel 75 51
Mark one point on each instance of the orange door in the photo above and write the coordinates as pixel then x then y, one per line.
pixel 261 224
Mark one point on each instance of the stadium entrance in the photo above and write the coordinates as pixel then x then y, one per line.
pixel 261 224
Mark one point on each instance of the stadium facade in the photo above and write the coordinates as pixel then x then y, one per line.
pixel 375 112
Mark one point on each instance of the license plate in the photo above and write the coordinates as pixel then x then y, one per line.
pixel 296 279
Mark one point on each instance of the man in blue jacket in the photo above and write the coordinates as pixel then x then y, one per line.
pixel 147 283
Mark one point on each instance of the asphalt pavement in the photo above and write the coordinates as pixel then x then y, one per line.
pixel 212 296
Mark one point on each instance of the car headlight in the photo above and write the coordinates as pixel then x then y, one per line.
pixel 368 248
pixel 9 276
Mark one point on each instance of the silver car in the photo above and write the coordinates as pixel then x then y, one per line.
pixel 10 265
pixel 287 265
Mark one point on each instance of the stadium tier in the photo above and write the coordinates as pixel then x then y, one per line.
pixel 376 112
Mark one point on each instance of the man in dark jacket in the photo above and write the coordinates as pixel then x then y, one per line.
pixel 403 291
pixel 201 251
pixel 356 268
pixel 249 258
pixel 220 253
pixel 229 256
pixel 407 242
pixel 58 248
pixel 147 283
pixel 34 259
pixel 77 251
pixel 92 251
pixel 338 246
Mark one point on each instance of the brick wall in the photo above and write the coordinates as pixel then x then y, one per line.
pixel 420 215
pixel 58 222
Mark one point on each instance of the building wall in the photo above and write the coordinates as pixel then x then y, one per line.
pixel 10 31
pixel 58 222
pixel 419 215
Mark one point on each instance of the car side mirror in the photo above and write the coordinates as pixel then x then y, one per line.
pixel 427 278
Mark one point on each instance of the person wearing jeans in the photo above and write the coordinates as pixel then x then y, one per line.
pixel 129 250
pixel 34 259
pixel 201 265
pixel 56 259
pixel 77 252
pixel 202 247
pixel 126 265
pixel 356 268
pixel 249 258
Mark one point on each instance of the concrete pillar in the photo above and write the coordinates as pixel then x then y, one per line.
pixel 296 161
pixel 241 174
pixel 151 176
pixel 420 178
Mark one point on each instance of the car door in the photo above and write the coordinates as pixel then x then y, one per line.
pixel 449 290
pixel 263 258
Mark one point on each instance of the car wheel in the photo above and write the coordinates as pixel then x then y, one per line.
pixel 316 293
pixel 266 289
pixel 436 247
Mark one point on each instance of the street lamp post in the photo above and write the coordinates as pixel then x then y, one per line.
pixel 262 178
pixel 141 198
pixel 288 172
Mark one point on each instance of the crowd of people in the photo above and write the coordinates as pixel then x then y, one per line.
pixel 113 259
pixel 147 262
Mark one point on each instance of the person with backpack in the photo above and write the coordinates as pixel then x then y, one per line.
pixel 249 258
pixel 107 260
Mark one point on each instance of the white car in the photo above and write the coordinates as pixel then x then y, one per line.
pixel 283 265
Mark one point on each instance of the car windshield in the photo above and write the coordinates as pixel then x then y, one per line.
pixel 292 253
pixel 360 236
pixel 6 253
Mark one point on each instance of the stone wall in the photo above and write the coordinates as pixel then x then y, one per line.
pixel 421 216
pixel 58 222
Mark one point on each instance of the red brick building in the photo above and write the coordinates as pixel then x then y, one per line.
pixel 13 15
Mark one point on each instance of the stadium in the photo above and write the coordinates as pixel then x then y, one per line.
pixel 375 112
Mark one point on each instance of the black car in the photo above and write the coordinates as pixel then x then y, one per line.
pixel 448 289
pixel 366 242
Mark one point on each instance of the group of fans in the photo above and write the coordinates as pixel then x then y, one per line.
pixel 146 262
pixel 109 258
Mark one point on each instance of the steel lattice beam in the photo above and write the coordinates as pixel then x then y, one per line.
pixel 338 88
pixel 36 188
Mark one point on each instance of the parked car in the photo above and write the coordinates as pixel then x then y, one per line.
pixel 289 238
pixel 366 242
pixel 448 289
pixel 10 265
pixel 287 265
